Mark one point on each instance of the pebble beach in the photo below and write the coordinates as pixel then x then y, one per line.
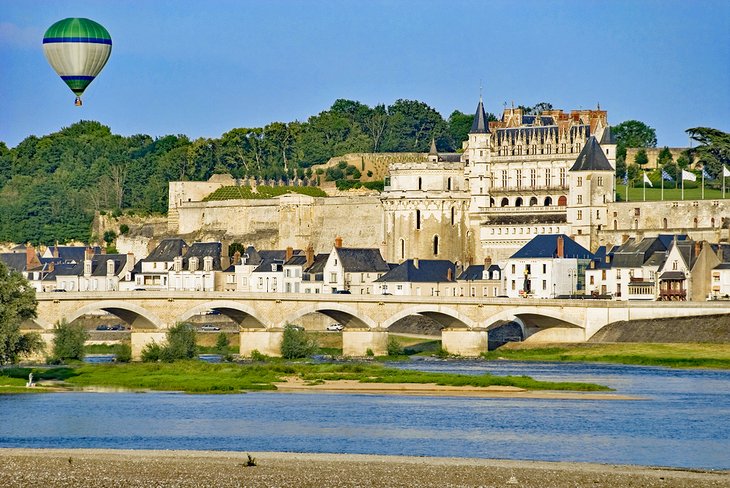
pixel 130 468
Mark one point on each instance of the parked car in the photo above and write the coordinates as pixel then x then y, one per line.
pixel 117 327
pixel 102 327
pixel 297 327
pixel 57 290
pixel 209 328
pixel 335 327
pixel 342 292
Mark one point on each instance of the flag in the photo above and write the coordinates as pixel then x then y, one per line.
pixel 626 178
pixel 725 172
pixel 666 176
pixel 686 175
pixel 706 174
pixel 647 181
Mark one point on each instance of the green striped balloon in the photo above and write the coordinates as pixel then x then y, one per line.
pixel 77 49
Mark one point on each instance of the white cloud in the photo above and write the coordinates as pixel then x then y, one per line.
pixel 23 37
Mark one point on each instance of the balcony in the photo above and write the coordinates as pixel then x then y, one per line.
pixel 673 295
pixel 500 190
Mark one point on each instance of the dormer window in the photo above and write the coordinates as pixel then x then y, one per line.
pixel 193 264
pixel 208 263
pixel 110 267
pixel 177 264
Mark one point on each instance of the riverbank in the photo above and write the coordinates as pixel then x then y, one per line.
pixel 108 468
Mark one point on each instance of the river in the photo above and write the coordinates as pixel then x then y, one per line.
pixel 681 420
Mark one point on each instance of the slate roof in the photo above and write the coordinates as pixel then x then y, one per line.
pixel 98 263
pixel 428 271
pixel 201 250
pixel 14 260
pixel 167 250
pixel 472 273
pixel 634 254
pixel 607 137
pixel 361 260
pixel 318 266
pixel 592 158
pixel 672 275
pixel 722 266
pixel 72 253
pixel 546 246
pixel 480 124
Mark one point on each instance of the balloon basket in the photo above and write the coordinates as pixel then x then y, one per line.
pixel 78 102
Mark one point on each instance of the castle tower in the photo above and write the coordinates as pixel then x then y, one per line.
pixel 479 159
pixel 591 183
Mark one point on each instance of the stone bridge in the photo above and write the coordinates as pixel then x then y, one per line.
pixel 262 317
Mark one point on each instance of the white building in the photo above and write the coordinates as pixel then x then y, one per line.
pixel 549 266
pixel 198 269
pixel 352 270
pixel 419 277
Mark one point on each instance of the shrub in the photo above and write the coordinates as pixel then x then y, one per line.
pixel 295 344
pixel 180 343
pixel 257 356
pixel 124 353
pixel 369 352
pixel 68 341
pixel 151 353
pixel 123 229
pixel 394 347
pixel 109 237
pixel 370 174
pixel 117 213
pixel 221 346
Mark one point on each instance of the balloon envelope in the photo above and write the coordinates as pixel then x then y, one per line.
pixel 77 49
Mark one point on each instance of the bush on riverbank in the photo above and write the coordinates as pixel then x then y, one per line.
pixel 296 344
pixel 180 345
pixel 68 342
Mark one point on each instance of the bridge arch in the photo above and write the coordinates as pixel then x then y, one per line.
pixel 134 315
pixel 540 320
pixel 446 317
pixel 342 313
pixel 240 313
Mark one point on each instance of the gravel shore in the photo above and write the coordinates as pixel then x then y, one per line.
pixel 118 468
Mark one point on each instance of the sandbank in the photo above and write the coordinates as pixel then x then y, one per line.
pixel 94 468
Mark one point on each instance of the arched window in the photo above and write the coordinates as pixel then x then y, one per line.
pixel 636 224
pixel 435 245
pixel 548 201
pixel 562 201
pixel 665 223
pixel 615 225
pixel 453 212
pixel 491 202
pixel 505 202
pixel 533 201
pixel 402 248
pixel 448 184
pixel 518 202
pixel 712 222
pixel 418 219
pixel 695 221
pixel 420 184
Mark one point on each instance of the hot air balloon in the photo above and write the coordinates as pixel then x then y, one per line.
pixel 77 49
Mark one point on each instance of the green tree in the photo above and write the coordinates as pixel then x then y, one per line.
pixel 181 343
pixel 394 347
pixel 109 237
pixel 68 341
pixel 665 157
pixel 222 345
pixel 713 150
pixel 641 158
pixel 17 304
pixel 295 343
pixel 236 246
pixel 632 133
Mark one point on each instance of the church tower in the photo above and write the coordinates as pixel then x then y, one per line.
pixel 591 190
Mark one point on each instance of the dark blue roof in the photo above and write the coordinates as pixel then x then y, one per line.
pixel 428 271
pixel 480 124
pixel 546 246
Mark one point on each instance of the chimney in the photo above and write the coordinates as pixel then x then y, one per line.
pixel 237 258
pixel 625 237
pixel 487 262
pixel 88 253
pixel 130 260
pixel 51 267
pixel 608 258
pixel 698 248
pixel 289 253
pixel 30 257
pixel 310 255
pixel 55 250
pixel 449 275
pixel 561 247
pixel 415 263
pixel 338 241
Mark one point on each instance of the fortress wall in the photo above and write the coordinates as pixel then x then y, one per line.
pixel 712 220
pixel 291 220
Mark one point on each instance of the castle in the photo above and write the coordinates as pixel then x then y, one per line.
pixel 518 177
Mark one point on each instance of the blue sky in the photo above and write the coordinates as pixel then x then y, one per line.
pixel 203 68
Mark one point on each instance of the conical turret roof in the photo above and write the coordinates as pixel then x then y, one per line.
pixel 480 124
pixel 592 158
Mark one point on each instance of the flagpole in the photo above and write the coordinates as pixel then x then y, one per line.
pixel 644 181
pixel 703 183
pixel 682 185
pixel 662 177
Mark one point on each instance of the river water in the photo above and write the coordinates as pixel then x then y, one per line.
pixel 681 421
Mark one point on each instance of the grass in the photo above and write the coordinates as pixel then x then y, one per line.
pixel 655 194
pixel 262 192
pixel 693 355
pixel 200 377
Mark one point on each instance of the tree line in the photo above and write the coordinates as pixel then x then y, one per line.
pixel 50 186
